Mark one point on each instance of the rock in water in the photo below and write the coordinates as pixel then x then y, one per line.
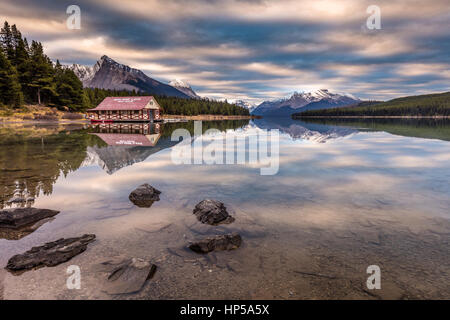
pixel 50 254
pixel 21 217
pixel 127 276
pixel 144 196
pixel 19 233
pixel 212 212
pixel 217 243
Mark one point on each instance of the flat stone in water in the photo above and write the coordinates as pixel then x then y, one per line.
pixel 19 233
pixel 212 212
pixel 50 254
pixel 144 195
pixel 217 243
pixel 127 276
pixel 21 217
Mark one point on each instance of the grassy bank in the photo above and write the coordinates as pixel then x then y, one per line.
pixel 37 113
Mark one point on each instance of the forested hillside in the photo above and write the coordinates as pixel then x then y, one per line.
pixel 170 105
pixel 423 105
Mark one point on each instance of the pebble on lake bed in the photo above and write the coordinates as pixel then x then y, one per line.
pixel 217 243
pixel 127 276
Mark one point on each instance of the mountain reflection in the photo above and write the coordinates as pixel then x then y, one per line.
pixel 426 128
pixel 323 129
pixel 297 129
pixel 127 143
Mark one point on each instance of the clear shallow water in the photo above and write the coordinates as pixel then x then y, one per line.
pixel 347 195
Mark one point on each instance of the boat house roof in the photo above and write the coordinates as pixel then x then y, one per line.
pixel 126 139
pixel 125 103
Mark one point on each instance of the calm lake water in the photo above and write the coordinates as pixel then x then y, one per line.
pixel 347 195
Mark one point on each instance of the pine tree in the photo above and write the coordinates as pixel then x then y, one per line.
pixel 7 42
pixel 10 90
pixel 21 61
pixel 41 78
pixel 69 88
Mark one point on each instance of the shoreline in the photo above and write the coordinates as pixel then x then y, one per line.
pixel 373 117
pixel 87 121
pixel 210 117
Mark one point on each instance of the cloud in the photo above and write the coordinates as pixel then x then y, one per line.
pixel 255 49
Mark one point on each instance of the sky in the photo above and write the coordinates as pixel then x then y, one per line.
pixel 254 50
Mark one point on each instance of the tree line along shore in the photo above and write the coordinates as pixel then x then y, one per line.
pixel 28 77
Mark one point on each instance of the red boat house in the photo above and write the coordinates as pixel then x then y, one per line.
pixel 126 109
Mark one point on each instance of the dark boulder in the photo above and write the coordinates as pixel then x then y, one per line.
pixel 127 276
pixel 212 212
pixel 144 196
pixel 217 243
pixel 21 217
pixel 50 254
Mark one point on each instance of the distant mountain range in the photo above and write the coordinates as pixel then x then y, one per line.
pixel 303 101
pixel 300 130
pixel 109 74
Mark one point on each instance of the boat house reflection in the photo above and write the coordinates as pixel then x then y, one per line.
pixel 129 134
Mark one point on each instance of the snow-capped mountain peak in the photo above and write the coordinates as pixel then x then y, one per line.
pixel 184 87
pixel 109 74
pixel 84 73
pixel 302 101
pixel 179 83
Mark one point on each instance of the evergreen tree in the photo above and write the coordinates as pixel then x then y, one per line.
pixel 10 90
pixel 41 77
pixel 69 88
pixel 7 41
pixel 21 61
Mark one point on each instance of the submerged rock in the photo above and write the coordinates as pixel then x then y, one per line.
pixel 21 217
pixel 144 195
pixel 212 212
pixel 127 276
pixel 217 243
pixel 50 254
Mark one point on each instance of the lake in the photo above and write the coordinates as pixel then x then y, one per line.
pixel 347 195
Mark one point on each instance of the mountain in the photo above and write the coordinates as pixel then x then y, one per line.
pixel 108 74
pixel 431 105
pixel 184 87
pixel 302 101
